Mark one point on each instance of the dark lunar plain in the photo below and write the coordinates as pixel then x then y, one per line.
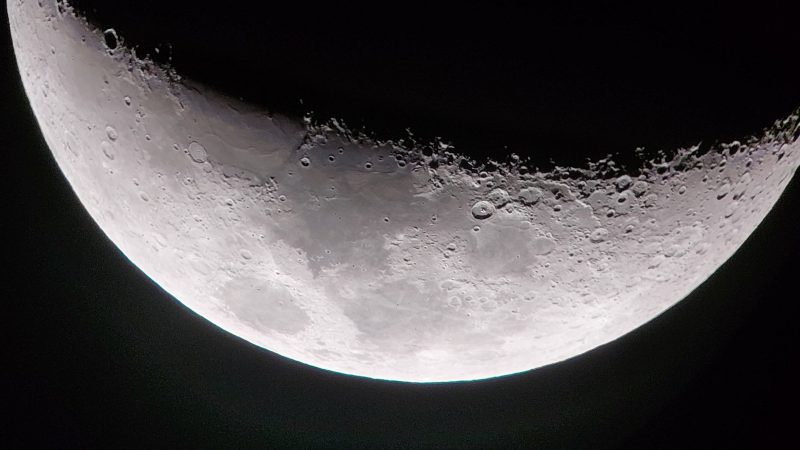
pixel 97 355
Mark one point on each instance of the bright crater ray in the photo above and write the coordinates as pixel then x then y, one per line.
pixel 371 258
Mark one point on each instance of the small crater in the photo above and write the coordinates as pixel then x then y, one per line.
pixel 197 152
pixel 598 235
pixel 639 188
pixel 724 189
pixel 623 182
pixel 111 132
pixel 530 195
pixel 482 210
pixel 107 150
pixel 111 39
pixel 498 197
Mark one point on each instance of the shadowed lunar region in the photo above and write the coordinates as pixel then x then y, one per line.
pixel 384 259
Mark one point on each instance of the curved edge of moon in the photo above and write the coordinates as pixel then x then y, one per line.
pixel 369 257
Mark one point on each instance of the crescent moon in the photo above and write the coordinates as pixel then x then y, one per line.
pixel 371 257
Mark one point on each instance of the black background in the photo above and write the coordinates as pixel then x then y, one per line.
pixel 99 355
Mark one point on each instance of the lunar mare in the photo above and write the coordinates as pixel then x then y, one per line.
pixel 371 257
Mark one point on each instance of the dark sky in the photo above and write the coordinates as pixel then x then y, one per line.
pixel 99 356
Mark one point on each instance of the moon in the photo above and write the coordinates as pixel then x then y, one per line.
pixel 388 259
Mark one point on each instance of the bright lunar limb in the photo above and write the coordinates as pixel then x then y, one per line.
pixel 372 258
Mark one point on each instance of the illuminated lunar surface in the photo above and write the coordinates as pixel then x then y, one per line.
pixel 368 257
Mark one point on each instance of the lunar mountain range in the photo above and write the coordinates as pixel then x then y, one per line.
pixel 387 259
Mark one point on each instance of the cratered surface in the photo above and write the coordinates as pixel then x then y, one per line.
pixel 370 257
